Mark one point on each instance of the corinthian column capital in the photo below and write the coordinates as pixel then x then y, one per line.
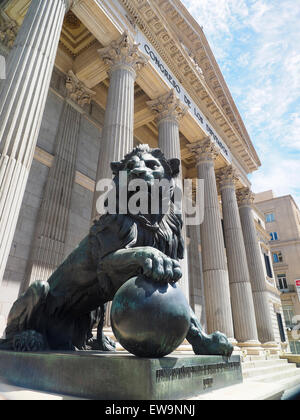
pixel 245 197
pixel 204 150
pixel 168 106
pixel 77 91
pixel 123 53
pixel 226 177
pixel 8 31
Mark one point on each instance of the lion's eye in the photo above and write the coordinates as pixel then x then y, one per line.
pixel 152 164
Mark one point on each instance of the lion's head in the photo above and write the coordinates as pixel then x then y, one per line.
pixel 143 169
pixel 148 164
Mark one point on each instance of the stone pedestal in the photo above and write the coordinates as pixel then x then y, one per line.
pixel 22 102
pixel 116 376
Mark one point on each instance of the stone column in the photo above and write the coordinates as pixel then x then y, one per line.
pixel 22 102
pixel 197 300
pixel 170 111
pixel 215 274
pixel 240 287
pixel 125 61
pixel 117 135
pixel 258 281
pixel 49 241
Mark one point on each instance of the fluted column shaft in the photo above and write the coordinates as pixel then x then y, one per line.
pixel 22 102
pixel 125 61
pixel 49 241
pixel 240 287
pixel 169 112
pixel 197 300
pixel 215 274
pixel 117 133
pixel 257 277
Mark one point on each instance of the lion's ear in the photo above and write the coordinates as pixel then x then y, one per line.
pixel 175 166
pixel 115 167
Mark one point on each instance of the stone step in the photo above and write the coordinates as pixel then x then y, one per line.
pixel 268 370
pixel 285 374
pixel 263 363
pixel 252 390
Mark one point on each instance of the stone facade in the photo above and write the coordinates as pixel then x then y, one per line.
pixel 106 79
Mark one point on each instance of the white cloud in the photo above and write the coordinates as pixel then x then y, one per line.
pixel 257 44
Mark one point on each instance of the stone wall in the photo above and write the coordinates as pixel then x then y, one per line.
pixel 81 197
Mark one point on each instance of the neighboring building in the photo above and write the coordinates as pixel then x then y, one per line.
pixel 83 87
pixel 282 220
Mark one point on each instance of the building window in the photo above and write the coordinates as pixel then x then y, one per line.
pixel 281 328
pixel 274 236
pixel 268 266
pixel 289 314
pixel 270 218
pixel 277 257
pixel 282 282
pixel 295 347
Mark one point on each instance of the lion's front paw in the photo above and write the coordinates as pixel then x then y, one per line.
pixel 156 265
pixel 216 344
pixel 222 344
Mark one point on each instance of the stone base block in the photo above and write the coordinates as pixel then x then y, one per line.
pixel 119 376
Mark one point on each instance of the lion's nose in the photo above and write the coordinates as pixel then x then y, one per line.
pixel 138 172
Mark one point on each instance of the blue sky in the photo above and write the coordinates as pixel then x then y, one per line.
pixel 257 45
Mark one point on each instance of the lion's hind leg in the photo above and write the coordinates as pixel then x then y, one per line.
pixel 21 334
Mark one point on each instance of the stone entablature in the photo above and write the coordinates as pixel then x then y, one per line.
pixel 184 56
pixel 182 63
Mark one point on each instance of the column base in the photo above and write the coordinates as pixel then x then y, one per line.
pixel 251 348
pixel 271 348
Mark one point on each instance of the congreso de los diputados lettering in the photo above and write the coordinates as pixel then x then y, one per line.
pixel 85 82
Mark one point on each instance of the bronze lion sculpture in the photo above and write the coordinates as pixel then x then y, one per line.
pixel 59 314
